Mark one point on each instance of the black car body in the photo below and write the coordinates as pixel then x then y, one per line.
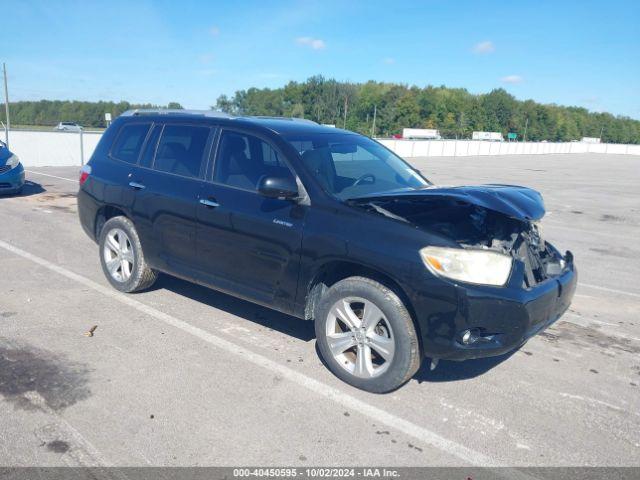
pixel 285 251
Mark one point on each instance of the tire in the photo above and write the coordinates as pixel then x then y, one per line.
pixel 382 347
pixel 127 270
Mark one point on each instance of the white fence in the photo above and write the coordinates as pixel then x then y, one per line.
pixel 41 148
pixel 37 148
pixel 465 148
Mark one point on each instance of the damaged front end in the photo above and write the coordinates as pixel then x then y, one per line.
pixel 499 218
pixel 495 281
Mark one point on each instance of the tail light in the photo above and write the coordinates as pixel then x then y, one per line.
pixel 85 171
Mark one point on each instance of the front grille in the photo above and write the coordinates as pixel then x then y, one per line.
pixel 5 168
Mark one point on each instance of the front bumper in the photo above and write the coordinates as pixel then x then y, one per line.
pixel 504 317
pixel 12 181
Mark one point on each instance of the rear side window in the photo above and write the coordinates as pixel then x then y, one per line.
pixel 243 159
pixel 150 147
pixel 129 142
pixel 181 150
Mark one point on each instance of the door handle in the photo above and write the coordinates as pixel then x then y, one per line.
pixel 137 186
pixel 209 203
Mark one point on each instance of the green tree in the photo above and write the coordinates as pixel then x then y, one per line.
pixel 453 111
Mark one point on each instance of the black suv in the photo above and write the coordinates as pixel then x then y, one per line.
pixel 329 226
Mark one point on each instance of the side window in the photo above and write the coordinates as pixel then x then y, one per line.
pixel 269 156
pixel 150 147
pixel 243 159
pixel 129 142
pixel 181 150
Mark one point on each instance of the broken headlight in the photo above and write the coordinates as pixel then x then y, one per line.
pixel 474 266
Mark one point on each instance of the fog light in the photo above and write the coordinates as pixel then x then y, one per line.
pixel 469 336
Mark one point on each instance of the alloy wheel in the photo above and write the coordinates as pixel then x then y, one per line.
pixel 118 255
pixel 360 337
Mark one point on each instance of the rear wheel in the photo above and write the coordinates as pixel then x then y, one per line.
pixel 122 258
pixel 366 335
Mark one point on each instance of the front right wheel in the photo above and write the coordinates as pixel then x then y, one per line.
pixel 366 335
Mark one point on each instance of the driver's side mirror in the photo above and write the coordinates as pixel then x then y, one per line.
pixel 278 187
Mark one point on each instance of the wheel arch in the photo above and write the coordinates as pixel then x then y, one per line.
pixel 333 271
pixel 105 213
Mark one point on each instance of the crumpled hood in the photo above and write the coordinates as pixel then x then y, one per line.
pixel 517 202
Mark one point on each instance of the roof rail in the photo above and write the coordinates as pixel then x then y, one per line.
pixel 207 113
pixel 292 119
pixel 175 111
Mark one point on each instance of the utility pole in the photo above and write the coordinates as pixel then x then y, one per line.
pixel 6 106
pixel 346 106
pixel 373 127
pixel 81 147
pixel 526 124
pixel 601 130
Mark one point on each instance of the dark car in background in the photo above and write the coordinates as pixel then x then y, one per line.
pixel 329 226
pixel 11 171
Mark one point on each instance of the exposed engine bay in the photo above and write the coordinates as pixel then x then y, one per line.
pixel 474 226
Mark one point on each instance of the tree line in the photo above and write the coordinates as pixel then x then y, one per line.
pixel 87 114
pixel 455 112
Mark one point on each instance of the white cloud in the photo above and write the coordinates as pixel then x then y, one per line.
pixel 314 43
pixel 483 48
pixel 512 79
pixel 389 60
pixel 214 31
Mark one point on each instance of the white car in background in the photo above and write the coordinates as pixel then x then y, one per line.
pixel 68 127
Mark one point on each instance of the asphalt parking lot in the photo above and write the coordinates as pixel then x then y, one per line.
pixel 182 375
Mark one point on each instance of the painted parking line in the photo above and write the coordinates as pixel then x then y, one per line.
pixel 83 453
pixel 52 176
pixel 610 290
pixel 467 455
pixel 556 226
pixel 604 327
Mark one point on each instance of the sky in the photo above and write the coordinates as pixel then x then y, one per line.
pixel 582 53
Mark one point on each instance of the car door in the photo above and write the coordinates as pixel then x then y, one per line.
pixel 168 184
pixel 249 245
pixel 116 174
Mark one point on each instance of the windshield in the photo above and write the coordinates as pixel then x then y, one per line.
pixel 349 166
